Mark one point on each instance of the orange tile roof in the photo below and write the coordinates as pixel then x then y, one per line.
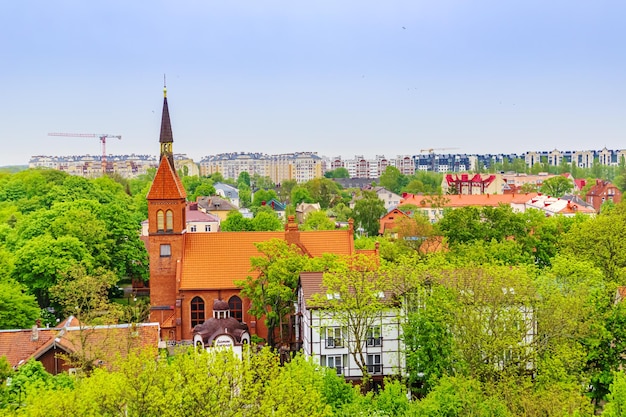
pixel 216 260
pixel 166 183
pixel 457 200
pixel 17 345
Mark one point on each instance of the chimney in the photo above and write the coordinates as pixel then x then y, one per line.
pixel 34 335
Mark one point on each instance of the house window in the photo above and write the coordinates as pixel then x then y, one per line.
pixel 334 361
pixel 236 307
pixel 160 221
pixel 166 250
pixel 194 228
pixel 169 220
pixel 374 365
pixel 374 336
pixel 197 311
pixel 333 337
pixel 207 227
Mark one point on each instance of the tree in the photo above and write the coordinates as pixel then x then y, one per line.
pixel 324 191
pixel 368 211
pixel 430 346
pixel 18 309
pixel 263 196
pixel 318 220
pixel 300 194
pixel 272 288
pixel 235 222
pixel 557 186
pixel 340 172
pixel 392 179
pixel 266 220
pixel 357 302
pixel 243 178
pixel 39 264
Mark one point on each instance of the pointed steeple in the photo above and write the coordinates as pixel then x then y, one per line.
pixel 167 138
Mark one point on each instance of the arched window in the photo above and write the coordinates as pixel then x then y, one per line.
pixel 169 220
pixel 160 221
pixel 236 307
pixel 197 311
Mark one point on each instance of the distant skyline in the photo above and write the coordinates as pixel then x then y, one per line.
pixel 338 78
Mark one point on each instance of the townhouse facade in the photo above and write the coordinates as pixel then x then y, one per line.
pixel 323 337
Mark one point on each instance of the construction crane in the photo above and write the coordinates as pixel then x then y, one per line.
pixel 103 140
pixel 432 150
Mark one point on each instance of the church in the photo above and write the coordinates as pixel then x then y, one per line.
pixel 190 273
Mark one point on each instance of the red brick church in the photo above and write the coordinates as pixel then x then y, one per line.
pixel 188 271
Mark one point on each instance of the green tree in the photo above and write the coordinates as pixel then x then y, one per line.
pixel 235 222
pixel 40 264
pixel 18 310
pixel 263 196
pixel 368 211
pixel 243 178
pixel 340 172
pixel 557 186
pixel 266 220
pixel 318 220
pixel 324 191
pixel 393 180
pixel 272 288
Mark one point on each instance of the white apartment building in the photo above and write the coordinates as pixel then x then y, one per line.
pixel 323 338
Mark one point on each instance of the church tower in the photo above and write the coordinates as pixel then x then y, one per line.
pixel 166 234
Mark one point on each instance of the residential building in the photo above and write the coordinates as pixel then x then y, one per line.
pixel 472 184
pixel 552 206
pixel 227 192
pixel 53 346
pixel 390 198
pixel 199 221
pixel 216 206
pixel 298 166
pixel 304 209
pixel 322 336
pixel 601 192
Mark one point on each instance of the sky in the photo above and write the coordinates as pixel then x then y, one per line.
pixel 337 77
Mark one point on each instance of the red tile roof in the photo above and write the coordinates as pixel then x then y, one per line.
pixel 458 200
pixel 216 260
pixel 166 183
pixel 19 345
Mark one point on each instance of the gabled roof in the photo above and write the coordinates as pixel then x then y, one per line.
pixel 217 260
pixel 195 215
pixel 166 184
pixel 21 344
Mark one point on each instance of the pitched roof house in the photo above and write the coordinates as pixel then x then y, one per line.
pixel 601 192
pixel 54 346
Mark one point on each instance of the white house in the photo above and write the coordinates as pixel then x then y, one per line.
pixel 322 336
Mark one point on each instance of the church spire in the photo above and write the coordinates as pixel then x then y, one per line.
pixel 166 139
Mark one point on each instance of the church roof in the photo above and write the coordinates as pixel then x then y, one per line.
pixel 217 260
pixel 166 183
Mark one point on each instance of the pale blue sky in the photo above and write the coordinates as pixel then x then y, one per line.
pixel 339 77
